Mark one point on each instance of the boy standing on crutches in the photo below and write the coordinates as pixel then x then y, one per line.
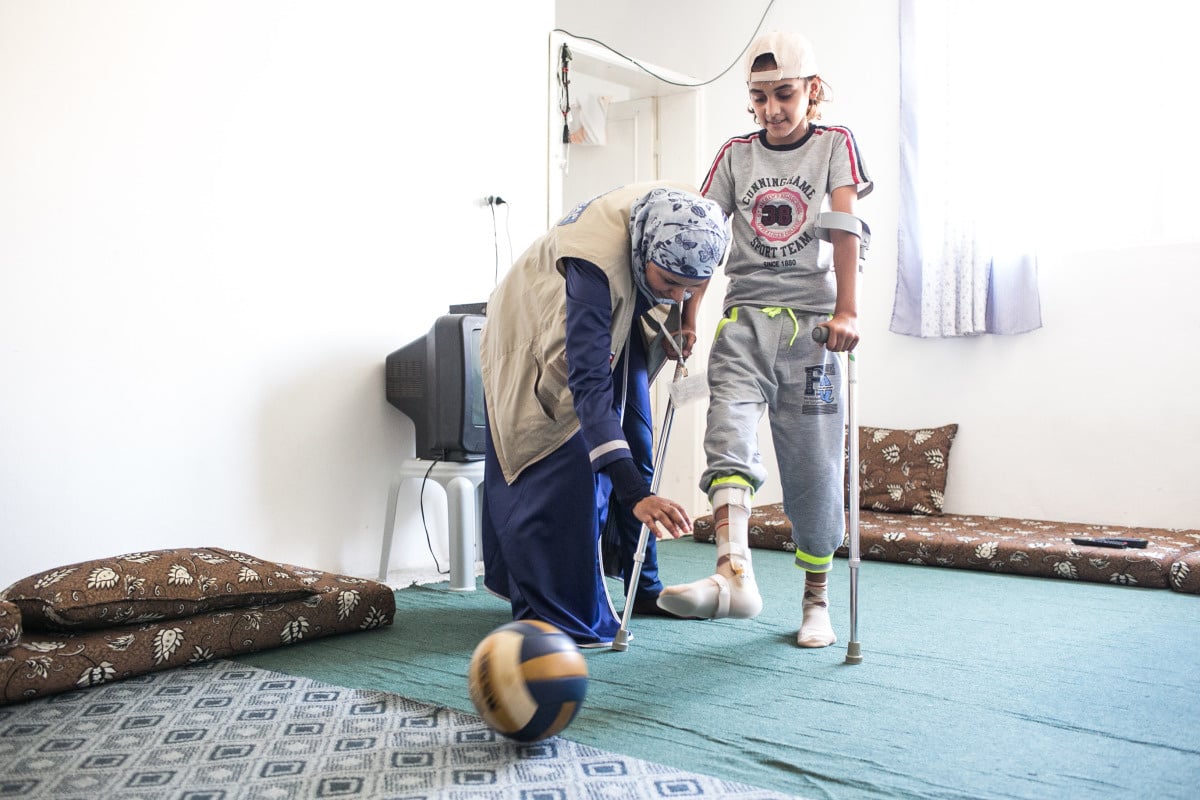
pixel 784 280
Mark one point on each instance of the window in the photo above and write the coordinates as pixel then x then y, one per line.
pixel 1028 126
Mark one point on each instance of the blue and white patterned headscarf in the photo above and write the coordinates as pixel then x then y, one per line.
pixel 681 232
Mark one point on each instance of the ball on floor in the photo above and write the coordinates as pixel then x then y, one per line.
pixel 527 680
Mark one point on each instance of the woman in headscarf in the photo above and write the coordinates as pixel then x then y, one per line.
pixel 574 334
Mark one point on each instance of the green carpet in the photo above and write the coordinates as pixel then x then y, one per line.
pixel 973 684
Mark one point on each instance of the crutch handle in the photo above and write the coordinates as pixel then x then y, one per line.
pixel 820 334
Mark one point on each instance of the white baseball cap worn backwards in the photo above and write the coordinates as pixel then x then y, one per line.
pixel 794 57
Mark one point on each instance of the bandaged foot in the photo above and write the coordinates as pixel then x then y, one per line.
pixel 649 607
pixel 731 591
pixel 816 630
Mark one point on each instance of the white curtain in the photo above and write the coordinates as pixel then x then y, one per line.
pixel 967 266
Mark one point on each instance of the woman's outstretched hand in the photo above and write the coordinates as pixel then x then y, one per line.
pixel 665 517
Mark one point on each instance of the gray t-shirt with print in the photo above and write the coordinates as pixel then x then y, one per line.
pixel 774 194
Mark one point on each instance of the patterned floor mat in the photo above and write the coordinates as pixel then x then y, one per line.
pixel 221 730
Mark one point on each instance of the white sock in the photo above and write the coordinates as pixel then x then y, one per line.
pixel 816 630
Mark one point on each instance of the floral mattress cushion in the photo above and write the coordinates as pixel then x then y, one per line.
pixel 142 587
pixel 42 663
pixel 1171 558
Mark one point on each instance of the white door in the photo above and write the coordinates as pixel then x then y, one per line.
pixel 627 156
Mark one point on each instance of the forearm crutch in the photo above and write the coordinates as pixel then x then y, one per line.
pixel 621 640
pixel 854 648
pixel 853 225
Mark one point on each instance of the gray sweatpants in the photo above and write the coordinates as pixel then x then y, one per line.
pixel 765 359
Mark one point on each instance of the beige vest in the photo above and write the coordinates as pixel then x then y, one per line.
pixel 523 345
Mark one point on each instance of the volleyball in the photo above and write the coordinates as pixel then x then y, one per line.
pixel 527 680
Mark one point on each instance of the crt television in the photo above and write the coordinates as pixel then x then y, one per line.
pixel 435 381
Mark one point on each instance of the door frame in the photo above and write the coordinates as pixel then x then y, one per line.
pixel 679 157
pixel 679 112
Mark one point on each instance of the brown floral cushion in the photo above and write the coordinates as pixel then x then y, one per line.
pixel 46 663
pixel 904 470
pixel 141 587
pixel 1040 548
pixel 10 624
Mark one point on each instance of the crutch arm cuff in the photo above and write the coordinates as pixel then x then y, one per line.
pixel 841 221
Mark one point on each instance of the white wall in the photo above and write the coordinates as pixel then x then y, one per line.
pixel 216 220
pixel 1093 418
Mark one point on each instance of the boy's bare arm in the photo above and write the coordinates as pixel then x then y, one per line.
pixel 843 328
pixel 688 316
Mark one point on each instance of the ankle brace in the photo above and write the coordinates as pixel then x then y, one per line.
pixel 732 590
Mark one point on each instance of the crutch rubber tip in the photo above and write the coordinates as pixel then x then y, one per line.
pixel 621 641
pixel 854 653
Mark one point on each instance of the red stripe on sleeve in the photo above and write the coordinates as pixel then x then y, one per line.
pixel 851 152
pixel 721 155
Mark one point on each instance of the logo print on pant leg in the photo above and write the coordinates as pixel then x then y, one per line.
pixel 820 397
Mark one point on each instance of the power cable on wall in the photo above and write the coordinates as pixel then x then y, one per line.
pixel 564 83
pixel 493 201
